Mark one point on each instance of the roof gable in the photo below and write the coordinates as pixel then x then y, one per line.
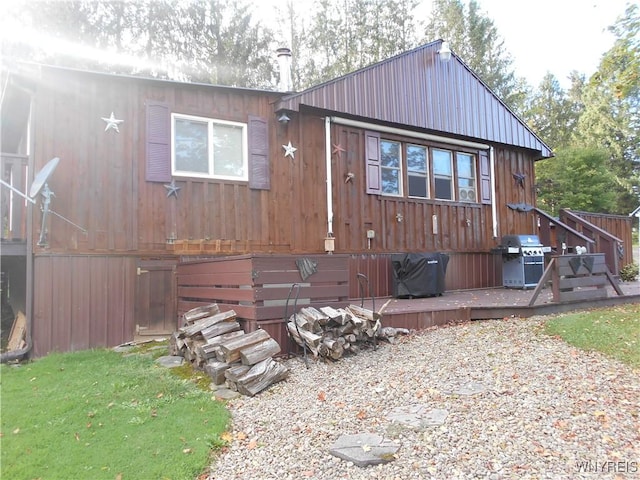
pixel 418 90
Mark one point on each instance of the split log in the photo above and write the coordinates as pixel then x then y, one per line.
pixel 224 337
pixel 233 373
pixel 18 332
pixel 190 349
pixel 176 344
pixel 333 348
pixel 216 371
pixel 203 323
pixel 336 316
pixel 315 317
pixel 388 332
pixel 205 352
pixel 360 312
pixel 261 376
pixel 200 312
pixel 259 352
pixel 220 328
pixel 230 349
pixel 304 337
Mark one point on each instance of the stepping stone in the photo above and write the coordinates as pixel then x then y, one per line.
pixel 225 394
pixel 417 416
pixel 124 348
pixel 170 361
pixel 468 389
pixel 364 449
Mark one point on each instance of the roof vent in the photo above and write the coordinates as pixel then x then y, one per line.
pixel 284 66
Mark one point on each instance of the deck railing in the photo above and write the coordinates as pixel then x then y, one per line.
pixel 573 231
pixel 14 207
pixel 610 245
pixel 555 233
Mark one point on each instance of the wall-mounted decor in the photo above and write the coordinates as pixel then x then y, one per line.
pixel 289 150
pixel 172 188
pixel 519 178
pixel 112 123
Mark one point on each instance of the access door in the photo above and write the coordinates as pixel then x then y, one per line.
pixel 156 299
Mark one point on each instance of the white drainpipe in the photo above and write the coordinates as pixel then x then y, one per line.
pixel 494 212
pixel 327 148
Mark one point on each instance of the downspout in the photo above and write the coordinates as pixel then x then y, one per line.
pixel 494 208
pixel 329 242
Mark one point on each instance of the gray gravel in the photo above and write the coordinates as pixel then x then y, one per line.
pixel 546 409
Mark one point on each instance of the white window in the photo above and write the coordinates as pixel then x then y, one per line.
pixel 417 171
pixel 442 174
pixel 391 167
pixel 203 147
pixel 466 177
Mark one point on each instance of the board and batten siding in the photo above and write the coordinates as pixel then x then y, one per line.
pixel 462 227
pixel 82 302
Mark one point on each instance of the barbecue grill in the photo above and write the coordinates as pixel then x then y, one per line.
pixel 522 260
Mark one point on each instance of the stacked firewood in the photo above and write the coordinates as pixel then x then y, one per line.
pixel 214 341
pixel 331 333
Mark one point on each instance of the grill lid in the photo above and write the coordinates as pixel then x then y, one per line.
pixel 520 241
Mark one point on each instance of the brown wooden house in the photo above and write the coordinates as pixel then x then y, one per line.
pixel 412 154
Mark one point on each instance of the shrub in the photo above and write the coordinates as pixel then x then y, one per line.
pixel 629 273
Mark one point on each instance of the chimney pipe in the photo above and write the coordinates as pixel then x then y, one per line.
pixel 284 66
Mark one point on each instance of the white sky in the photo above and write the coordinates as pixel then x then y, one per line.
pixel 556 36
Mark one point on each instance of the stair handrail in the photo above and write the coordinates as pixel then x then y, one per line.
pixel 592 226
pixel 560 224
pixel 615 243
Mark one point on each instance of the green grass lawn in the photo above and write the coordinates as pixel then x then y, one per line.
pixel 98 414
pixel 613 331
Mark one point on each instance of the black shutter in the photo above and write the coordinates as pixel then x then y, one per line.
pixel 485 177
pixel 372 152
pixel 258 133
pixel 158 164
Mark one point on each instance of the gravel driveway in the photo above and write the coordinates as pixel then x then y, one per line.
pixel 549 411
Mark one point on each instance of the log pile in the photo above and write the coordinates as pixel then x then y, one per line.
pixel 332 333
pixel 214 341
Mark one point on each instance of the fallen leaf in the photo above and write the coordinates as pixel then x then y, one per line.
pixel 308 473
pixel 77 436
pixel 226 437
pixel 154 413
pixel 361 415
pixel 89 425
pixel 160 395
pixel 186 451
pixel 16 431
pixel 322 396
pixel 241 436
pixel 366 448
pixel 119 476
pixel 91 414
pixel 339 404
pixel 252 444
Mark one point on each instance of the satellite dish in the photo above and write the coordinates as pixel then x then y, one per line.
pixel 42 176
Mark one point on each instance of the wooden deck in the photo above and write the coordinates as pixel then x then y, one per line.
pixel 466 305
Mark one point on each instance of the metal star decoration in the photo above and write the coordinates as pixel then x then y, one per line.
pixel 112 123
pixel 338 150
pixel 172 188
pixel 289 150
pixel 519 178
